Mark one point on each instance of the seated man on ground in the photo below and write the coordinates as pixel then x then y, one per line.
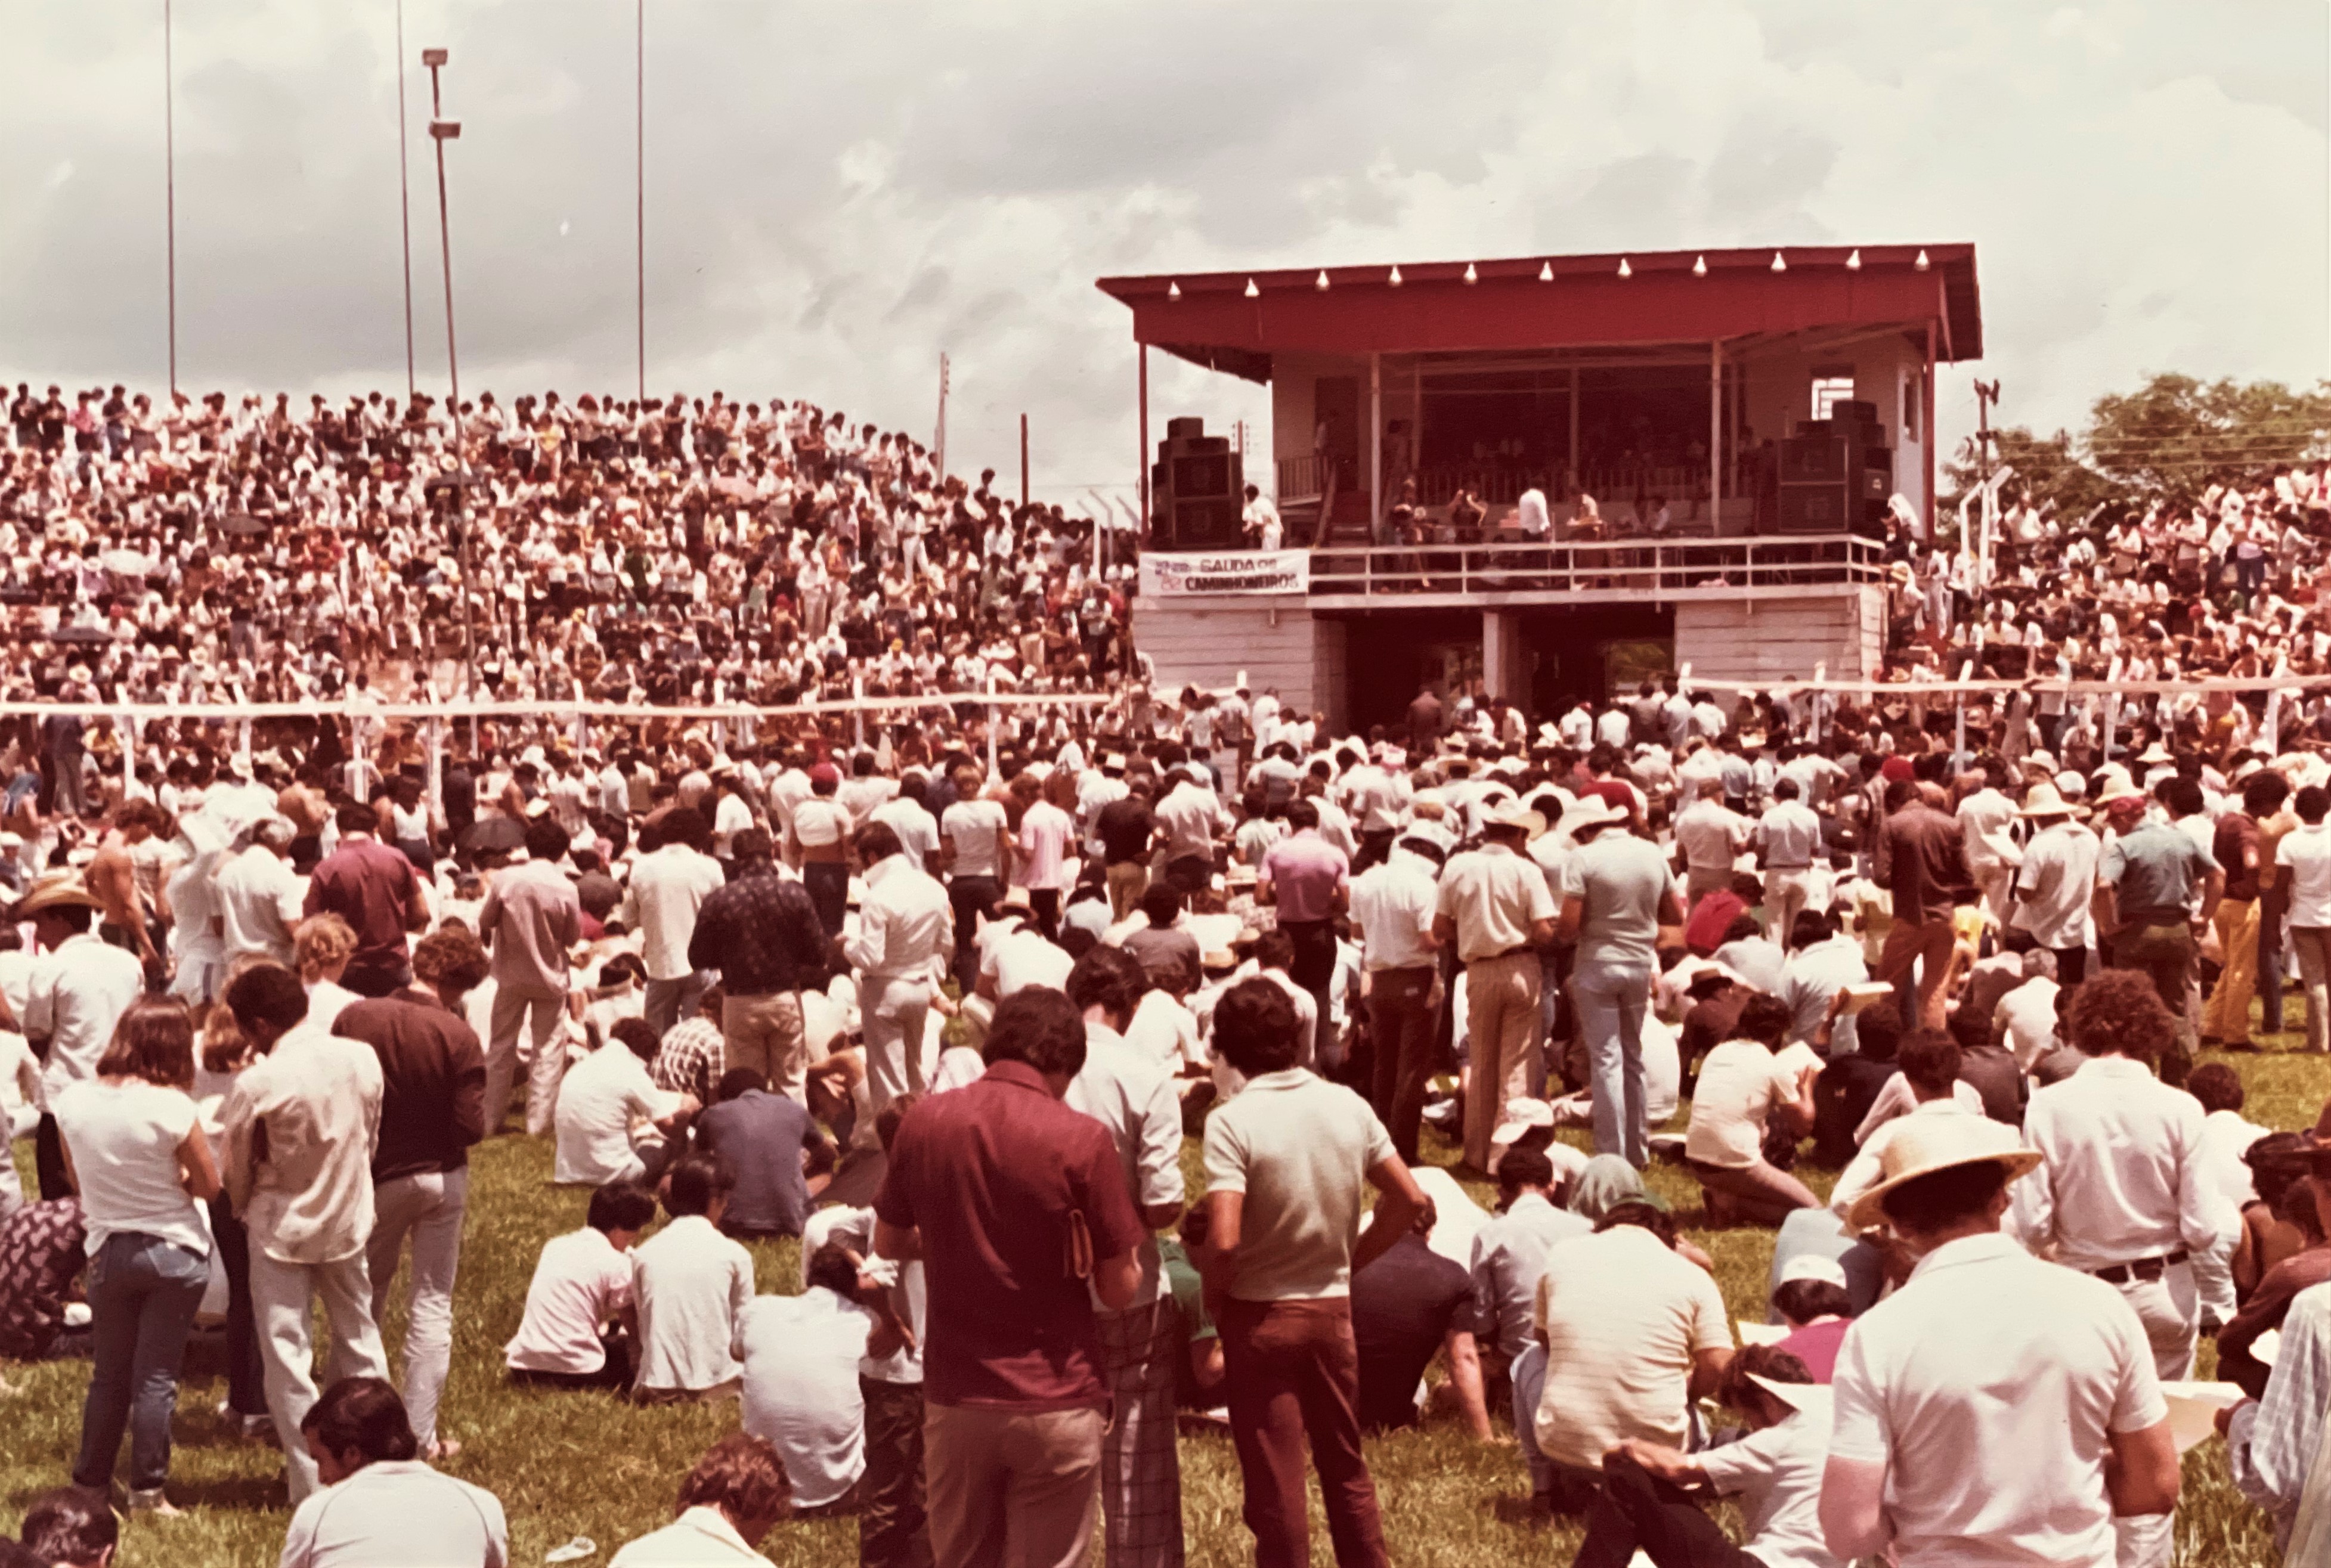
pixel 614 1124
pixel 1815 1303
pixel 737 1494
pixel 579 1330
pixel 71 1527
pixel 781 1158
pixel 1408 1305
pixel 381 1505
pixel 1745 1087
pixel 801 1356
pixel 690 1284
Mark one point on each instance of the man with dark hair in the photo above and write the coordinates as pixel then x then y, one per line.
pixel 1017 1206
pixel 762 1137
pixel 690 1285
pixel 301 1123
pixel 1164 945
pixel 603 1099
pixel 71 1527
pixel 737 1494
pixel 1508 1258
pixel 801 1356
pixel 1996 1407
pixel 431 1111
pixel 578 1330
pixel 371 887
pixel 2154 882
pixel 1919 856
pixel 380 1504
pixel 2124 1191
pixel 906 935
pixel 1308 881
pixel 532 917
pixel 668 888
pixel 1134 1098
pixel 762 933
pixel 1288 1160
pixel 2236 845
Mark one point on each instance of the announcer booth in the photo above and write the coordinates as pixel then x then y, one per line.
pixel 1720 438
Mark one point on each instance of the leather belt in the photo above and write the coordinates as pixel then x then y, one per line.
pixel 1493 957
pixel 2144 1270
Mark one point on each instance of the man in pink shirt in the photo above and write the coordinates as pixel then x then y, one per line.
pixel 1308 881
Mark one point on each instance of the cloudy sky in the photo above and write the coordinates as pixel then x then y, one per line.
pixel 838 191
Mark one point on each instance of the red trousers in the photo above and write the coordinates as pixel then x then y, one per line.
pixel 1295 1374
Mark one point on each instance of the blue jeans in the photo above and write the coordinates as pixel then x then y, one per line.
pixel 142 1296
pixel 1612 995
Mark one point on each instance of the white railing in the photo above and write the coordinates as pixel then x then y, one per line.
pixel 1303 479
pixel 1628 567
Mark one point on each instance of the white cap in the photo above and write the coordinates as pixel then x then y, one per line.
pixel 1814 1266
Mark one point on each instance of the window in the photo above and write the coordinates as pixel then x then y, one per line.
pixel 1832 384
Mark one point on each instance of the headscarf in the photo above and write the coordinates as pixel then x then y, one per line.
pixel 1607 1182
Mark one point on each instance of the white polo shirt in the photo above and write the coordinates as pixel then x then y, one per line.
pixel 393 1513
pixel 1988 1385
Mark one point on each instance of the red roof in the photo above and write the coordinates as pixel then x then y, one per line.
pixel 1235 321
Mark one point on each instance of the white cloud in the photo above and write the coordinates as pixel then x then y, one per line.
pixel 832 199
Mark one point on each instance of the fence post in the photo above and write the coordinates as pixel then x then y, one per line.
pixel 991 725
pixel 1958 742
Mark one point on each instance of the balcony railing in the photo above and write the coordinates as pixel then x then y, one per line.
pixel 1621 568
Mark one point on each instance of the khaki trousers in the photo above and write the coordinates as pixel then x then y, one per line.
pixel 1011 1488
pixel 765 1033
pixel 1501 1023
pixel 2227 1017
pixel 1127 883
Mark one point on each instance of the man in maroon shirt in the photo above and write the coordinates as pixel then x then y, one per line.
pixel 372 888
pixel 1308 881
pixel 1014 1203
pixel 432 1108
pixel 1921 858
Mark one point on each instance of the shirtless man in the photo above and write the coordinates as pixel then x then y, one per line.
pixel 113 883
pixel 303 801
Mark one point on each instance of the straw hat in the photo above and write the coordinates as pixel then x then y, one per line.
pixel 2156 753
pixel 1514 814
pixel 1921 1145
pixel 56 890
pixel 1591 812
pixel 2117 789
pixel 2044 799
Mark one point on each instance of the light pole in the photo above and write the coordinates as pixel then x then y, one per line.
pixel 404 203
pixel 441 131
pixel 640 173
pixel 170 182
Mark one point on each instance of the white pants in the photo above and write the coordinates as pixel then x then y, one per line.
pixel 428 1207
pixel 543 1011
pixel 1785 893
pixel 282 1300
pixel 893 1011
pixel 2170 1309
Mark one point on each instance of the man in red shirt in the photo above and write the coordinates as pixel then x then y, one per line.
pixel 1308 881
pixel 372 888
pixel 1920 857
pixel 1015 1204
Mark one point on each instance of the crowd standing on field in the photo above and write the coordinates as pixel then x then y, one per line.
pixel 942 994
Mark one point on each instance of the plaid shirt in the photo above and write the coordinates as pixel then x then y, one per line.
pixel 691 1060
pixel 41 1252
pixel 762 932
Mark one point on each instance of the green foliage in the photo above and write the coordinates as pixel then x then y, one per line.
pixel 2168 440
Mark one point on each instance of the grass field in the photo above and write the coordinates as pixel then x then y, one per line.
pixel 574 1464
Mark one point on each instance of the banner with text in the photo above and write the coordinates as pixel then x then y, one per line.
pixel 1232 571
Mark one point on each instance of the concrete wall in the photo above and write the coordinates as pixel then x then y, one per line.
pixel 1762 639
pixel 1206 641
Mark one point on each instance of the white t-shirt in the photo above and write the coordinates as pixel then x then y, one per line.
pixel 973 826
pixel 393 1513
pixel 580 1282
pixel 820 820
pixel 597 1100
pixel 1739 1084
pixel 123 1140
pixel 801 1356
pixel 2306 852
pixel 1777 1473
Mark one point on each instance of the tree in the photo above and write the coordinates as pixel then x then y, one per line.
pixel 2046 469
pixel 2176 436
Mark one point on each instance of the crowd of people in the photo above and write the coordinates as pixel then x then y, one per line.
pixel 943 996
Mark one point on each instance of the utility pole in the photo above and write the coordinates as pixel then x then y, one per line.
pixel 441 131
pixel 404 204
pixel 938 441
pixel 170 182
pixel 640 175
pixel 1985 394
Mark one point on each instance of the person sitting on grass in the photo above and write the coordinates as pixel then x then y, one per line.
pixel 602 1098
pixel 1775 1469
pixel 782 1159
pixel 381 1505
pixel 71 1527
pixel 690 1284
pixel 801 1356
pixel 579 1330
pixel 1816 1304
pixel 737 1494
pixel 1743 1087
